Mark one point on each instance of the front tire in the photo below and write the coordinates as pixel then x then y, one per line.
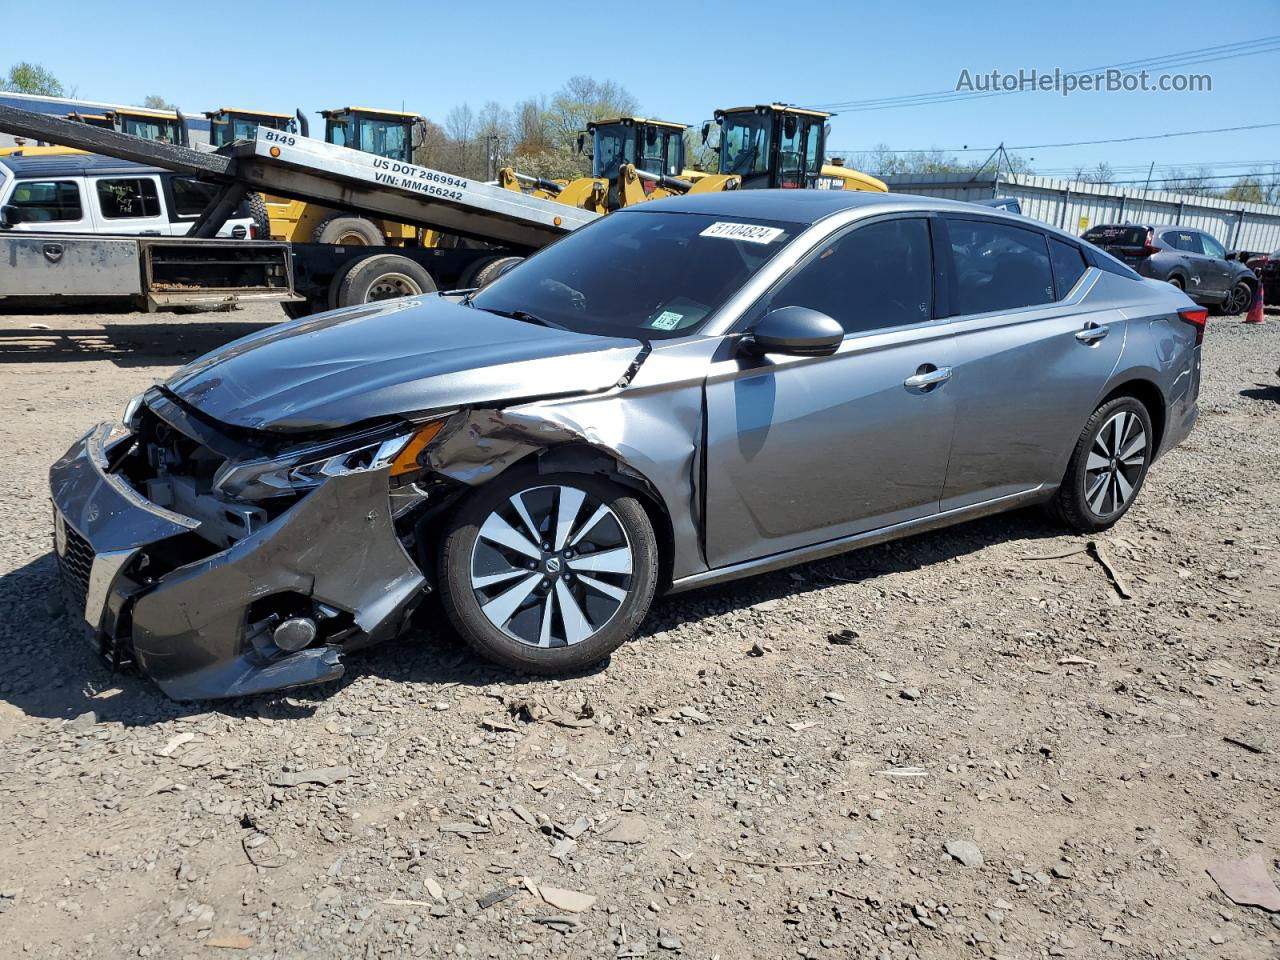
pixel 1107 467
pixel 1239 300
pixel 548 574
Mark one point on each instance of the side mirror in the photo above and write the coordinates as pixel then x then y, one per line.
pixel 9 215
pixel 711 135
pixel 582 142
pixel 795 332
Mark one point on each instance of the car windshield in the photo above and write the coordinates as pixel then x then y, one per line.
pixel 652 275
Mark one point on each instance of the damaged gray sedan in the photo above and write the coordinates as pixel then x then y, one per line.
pixel 681 393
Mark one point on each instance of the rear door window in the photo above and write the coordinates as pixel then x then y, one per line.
pixel 128 198
pixel 1068 266
pixel 868 278
pixel 1185 240
pixel 47 201
pixel 1211 246
pixel 998 266
pixel 191 196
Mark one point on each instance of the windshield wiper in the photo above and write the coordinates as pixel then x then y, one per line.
pixel 524 316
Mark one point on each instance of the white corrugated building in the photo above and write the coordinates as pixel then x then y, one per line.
pixel 1074 207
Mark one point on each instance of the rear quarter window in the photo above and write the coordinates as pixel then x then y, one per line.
pixel 1068 266
pixel 997 266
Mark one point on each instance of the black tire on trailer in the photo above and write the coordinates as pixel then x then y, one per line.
pixel 348 231
pixel 257 209
pixel 492 270
pixel 591 583
pixel 386 276
pixel 467 278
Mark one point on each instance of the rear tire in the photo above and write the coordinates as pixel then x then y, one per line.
pixel 570 606
pixel 387 276
pixel 1107 467
pixel 1177 282
pixel 348 231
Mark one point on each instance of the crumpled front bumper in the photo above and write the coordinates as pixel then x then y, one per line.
pixel 189 627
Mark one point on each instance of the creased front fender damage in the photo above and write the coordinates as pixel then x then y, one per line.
pixel 650 438
pixel 337 546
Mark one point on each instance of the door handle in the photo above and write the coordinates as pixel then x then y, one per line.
pixel 52 252
pixel 1092 333
pixel 928 378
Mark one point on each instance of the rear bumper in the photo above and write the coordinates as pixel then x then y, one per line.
pixel 189 628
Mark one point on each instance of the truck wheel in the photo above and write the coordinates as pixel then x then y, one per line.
pixel 348 232
pixel 384 277
pixel 492 270
pixel 257 209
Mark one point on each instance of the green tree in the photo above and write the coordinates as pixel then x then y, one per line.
pixel 1248 189
pixel 154 101
pixel 27 77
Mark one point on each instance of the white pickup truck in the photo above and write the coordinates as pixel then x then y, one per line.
pixel 82 193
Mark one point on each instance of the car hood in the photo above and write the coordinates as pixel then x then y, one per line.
pixel 400 357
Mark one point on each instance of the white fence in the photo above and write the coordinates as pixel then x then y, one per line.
pixel 1074 207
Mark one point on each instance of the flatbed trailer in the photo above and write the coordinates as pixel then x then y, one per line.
pixel 490 222
pixel 152 273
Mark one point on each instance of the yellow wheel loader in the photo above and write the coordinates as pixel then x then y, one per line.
pixel 633 159
pixel 781 146
pixel 162 126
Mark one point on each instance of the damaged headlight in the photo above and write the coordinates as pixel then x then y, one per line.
pixel 129 419
pixel 260 479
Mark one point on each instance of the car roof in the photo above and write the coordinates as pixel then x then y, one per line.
pixel 810 206
pixel 72 165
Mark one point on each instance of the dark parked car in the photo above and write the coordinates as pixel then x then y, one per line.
pixel 1267 269
pixel 682 393
pixel 1188 258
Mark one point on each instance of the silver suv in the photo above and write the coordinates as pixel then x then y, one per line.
pixel 1188 258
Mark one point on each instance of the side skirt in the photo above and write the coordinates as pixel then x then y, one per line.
pixel 829 548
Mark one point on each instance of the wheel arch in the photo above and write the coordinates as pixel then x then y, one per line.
pixel 1148 393
pixel 594 461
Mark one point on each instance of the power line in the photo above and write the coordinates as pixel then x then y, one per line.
pixel 1073 143
pixel 1230 51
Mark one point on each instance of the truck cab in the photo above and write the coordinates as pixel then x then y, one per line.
pixel 228 124
pixel 162 126
pixel 384 133
pixel 655 146
pixel 771 144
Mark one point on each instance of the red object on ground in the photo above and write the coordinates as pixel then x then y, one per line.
pixel 1255 312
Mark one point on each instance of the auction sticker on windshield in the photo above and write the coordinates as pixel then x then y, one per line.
pixel 750 232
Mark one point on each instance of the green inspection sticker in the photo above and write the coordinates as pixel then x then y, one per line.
pixel 667 320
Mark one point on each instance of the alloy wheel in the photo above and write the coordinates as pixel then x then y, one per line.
pixel 551 566
pixel 1239 299
pixel 1115 465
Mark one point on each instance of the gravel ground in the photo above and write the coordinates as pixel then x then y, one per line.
pixel 966 744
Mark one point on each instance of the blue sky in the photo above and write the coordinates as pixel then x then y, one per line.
pixel 430 56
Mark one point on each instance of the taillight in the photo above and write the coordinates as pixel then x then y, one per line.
pixel 253 231
pixel 1149 245
pixel 1197 317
